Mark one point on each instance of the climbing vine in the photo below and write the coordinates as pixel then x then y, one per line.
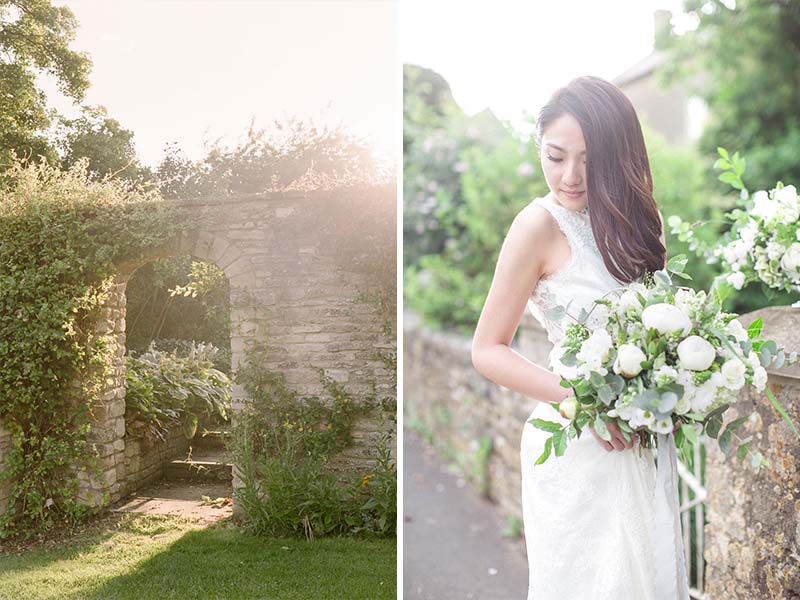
pixel 60 238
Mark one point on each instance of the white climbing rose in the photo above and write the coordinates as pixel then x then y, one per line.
pixel 736 279
pixel 791 262
pixel 695 353
pixel 666 318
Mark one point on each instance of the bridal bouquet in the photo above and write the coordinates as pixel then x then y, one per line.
pixel 659 357
pixel 763 243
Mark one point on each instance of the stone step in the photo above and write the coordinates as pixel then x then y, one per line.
pixel 200 465
pixel 210 439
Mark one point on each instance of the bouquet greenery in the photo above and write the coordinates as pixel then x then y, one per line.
pixel 660 358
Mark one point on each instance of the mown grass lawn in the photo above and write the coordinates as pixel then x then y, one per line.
pixel 151 556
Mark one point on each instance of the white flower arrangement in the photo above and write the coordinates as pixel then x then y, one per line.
pixel 663 356
pixel 763 244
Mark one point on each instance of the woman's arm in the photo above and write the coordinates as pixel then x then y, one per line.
pixel 519 267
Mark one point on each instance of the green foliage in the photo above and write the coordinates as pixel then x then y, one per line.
pixel 496 182
pixel 61 237
pixel 103 142
pixel 34 39
pixel 748 53
pixel 175 299
pixel 281 444
pixel 292 154
pixel 164 388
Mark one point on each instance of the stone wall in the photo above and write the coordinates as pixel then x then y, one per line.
pixel 753 528
pixel 145 460
pixel 469 419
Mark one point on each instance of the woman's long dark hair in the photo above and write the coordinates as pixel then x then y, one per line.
pixel 619 185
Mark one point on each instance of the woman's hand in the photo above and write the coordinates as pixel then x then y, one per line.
pixel 618 441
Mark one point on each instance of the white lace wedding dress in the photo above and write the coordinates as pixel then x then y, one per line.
pixel 596 527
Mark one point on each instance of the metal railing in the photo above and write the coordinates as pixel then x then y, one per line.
pixel 693 495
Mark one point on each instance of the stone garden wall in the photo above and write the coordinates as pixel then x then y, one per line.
pixel 752 535
pixel 145 460
pixel 469 419
pixel 753 524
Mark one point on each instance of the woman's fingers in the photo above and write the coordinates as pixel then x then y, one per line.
pixel 601 441
pixel 617 439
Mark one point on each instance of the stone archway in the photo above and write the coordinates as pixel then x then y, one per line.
pixel 289 292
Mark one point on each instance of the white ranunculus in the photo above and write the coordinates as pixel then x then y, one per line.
pixel 791 262
pixel 737 330
pixel 666 318
pixel 760 378
pixel 733 372
pixel 695 353
pixel 736 279
pixel 764 207
pixel 629 360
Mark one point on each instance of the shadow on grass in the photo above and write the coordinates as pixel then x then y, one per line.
pixel 225 563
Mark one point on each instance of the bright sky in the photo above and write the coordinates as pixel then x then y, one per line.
pixel 198 70
pixel 511 55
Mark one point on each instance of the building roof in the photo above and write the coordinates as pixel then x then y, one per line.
pixel 641 69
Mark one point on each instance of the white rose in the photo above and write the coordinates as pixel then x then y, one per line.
pixel 683 406
pixel 629 360
pixel 760 378
pixel 791 262
pixel 666 319
pixel 736 279
pixel 737 330
pixel 695 353
pixel 733 372
pixel 764 207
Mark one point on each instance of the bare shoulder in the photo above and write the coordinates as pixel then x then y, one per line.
pixel 530 240
pixel 534 222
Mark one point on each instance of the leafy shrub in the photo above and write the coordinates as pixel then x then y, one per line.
pixel 281 445
pixel 164 388
pixel 61 235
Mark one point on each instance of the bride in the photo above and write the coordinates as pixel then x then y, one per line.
pixel 590 516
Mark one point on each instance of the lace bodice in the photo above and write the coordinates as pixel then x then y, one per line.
pixel 576 285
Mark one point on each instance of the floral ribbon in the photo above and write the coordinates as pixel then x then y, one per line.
pixel 671 580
